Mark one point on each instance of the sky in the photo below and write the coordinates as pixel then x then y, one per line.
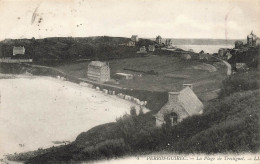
pixel 217 19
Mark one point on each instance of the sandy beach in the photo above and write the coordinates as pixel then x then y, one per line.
pixel 35 111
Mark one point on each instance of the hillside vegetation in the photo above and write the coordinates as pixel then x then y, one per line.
pixel 57 50
pixel 230 124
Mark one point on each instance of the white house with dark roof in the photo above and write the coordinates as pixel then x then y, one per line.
pixel 180 105
pixel 18 51
pixel 134 38
pixel 98 71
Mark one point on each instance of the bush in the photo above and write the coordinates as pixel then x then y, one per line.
pixel 239 82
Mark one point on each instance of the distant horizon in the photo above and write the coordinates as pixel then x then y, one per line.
pixel 147 18
pixel 124 37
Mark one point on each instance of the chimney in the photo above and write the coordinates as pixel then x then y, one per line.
pixel 187 85
pixel 173 97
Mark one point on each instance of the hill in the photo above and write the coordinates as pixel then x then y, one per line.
pixel 229 124
pixel 60 49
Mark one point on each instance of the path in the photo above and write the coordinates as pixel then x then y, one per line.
pixel 227 64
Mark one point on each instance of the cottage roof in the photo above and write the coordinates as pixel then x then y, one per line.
pixel 189 101
pixel 188 104
pixel 97 63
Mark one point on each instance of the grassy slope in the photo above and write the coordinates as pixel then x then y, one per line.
pixel 202 80
pixel 229 124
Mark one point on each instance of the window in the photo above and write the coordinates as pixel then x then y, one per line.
pixel 171 119
pixel 174 118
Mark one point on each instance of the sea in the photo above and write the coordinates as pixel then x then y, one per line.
pixel 206 48
pixel 207 45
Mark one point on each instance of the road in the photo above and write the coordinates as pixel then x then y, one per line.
pixel 227 64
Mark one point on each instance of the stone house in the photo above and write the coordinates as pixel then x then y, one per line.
pixel 222 52
pixel 168 43
pixel 151 48
pixel 98 71
pixel 134 38
pixel 18 51
pixel 158 39
pixel 180 105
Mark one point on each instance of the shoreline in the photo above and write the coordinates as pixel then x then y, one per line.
pixel 102 101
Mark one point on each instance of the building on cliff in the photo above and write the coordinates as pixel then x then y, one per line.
pixel 180 105
pixel 134 38
pixel 158 39
pixel 98 71
pixel 252 40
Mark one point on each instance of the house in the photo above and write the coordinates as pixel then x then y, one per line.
pixel 222 52
pixel 252 40
pixel 142 50
pixel 180 105
pixel 124 75
pixel 151 48
pixel 130 43
pixel 18 51
pixel 158 39
pixel 98 71
pixel 168 43
pixel 134 38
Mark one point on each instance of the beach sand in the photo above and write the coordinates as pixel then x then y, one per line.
pixel 35 111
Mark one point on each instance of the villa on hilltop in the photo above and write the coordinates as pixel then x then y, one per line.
pixel 180 105
pixel 134 38
pixel 252 40
pixel 158 39
pixel 98 71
